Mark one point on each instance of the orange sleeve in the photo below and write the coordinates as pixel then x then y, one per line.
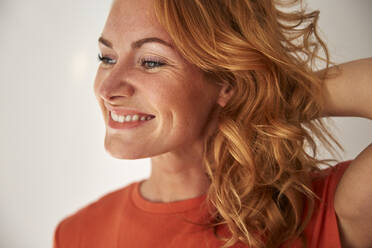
pixel 55 238
pixel 322 231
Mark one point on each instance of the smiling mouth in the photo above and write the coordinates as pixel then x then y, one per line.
pixel 128 121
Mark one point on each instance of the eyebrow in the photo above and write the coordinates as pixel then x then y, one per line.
pixel 137 44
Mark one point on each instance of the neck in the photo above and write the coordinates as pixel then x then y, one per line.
pixel 175 178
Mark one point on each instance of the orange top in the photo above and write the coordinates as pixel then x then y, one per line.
pixel 123 218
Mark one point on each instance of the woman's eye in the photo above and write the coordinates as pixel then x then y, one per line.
pixel 151 63
pixel 106 60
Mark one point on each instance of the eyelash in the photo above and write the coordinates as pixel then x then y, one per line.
pixel 142 61
pixel 104 59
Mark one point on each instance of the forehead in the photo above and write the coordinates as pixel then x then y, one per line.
pixel 132 19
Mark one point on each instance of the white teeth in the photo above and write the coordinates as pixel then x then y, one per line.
pixel 129 118
pixel 114 116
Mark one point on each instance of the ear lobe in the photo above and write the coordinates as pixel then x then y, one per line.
pixel 226 93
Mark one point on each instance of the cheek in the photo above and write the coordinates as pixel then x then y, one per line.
pixel 187 94
pixel 189 108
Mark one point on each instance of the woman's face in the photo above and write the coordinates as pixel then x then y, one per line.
pixel 150 78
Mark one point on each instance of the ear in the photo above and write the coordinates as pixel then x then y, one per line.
pixel 226 93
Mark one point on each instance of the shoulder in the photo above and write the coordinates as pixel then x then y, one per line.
pixel 325 184
pixel 98 216
pixel 353 201
pixel 322 230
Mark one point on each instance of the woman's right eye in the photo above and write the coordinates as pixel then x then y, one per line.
pixel 106 60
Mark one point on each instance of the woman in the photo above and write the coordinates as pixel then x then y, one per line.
pixel 223 97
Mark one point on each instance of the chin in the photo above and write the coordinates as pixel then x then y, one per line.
pixel 119 152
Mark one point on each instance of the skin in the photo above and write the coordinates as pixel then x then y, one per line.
pixel 184 102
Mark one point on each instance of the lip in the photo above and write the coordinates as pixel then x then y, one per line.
pixel 125 111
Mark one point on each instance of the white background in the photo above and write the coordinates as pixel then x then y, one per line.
pixel 51 135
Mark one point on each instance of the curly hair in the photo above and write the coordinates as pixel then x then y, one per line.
pixel 256 159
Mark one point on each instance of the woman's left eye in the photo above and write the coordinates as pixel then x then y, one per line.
pixel 151 63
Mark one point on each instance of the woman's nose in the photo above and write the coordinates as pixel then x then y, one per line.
pixel 116 84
